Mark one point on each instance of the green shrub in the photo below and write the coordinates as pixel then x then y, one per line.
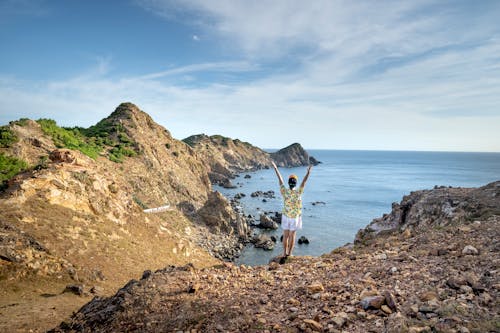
pixel 9 167
pixel 119 152
pixel 71 138
pixel 92 141
pixel 7 137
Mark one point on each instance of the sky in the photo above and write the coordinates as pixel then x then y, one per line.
pixel 374 75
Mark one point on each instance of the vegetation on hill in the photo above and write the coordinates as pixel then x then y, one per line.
pixel 7 137
pixel 92 141
pixel 9 167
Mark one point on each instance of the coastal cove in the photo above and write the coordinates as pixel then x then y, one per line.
pixel 351 188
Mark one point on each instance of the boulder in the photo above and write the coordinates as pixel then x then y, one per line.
pixel 267 223
pixel 218 214
pixel 372 302
pixel 263 241
pixel 471 250
pixel 303 240
pixel 62 156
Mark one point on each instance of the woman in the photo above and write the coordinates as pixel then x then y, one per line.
pixel 291 218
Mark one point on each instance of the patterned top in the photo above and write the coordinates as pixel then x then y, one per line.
pixel 292 201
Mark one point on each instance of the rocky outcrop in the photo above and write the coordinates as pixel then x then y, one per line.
pixel 293 156
pixel 226 156
pixel 219 215
pixel 425 280
pixel 435 208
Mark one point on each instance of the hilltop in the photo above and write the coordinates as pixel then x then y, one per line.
pixel 433 268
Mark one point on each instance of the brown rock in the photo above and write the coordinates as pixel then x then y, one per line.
pixel 427 296
pixel 386 309
pixel 390 300
pixel 315 288
pixel 372 302
pixel 313 324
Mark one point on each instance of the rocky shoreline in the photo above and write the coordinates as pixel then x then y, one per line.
pixel 435 269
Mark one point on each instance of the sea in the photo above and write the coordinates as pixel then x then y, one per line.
pixel 350 188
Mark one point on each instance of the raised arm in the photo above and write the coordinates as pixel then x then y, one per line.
pixel 306 177
pixel 277 173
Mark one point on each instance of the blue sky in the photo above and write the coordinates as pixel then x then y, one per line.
pixel 388 75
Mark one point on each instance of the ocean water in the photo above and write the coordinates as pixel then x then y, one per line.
pixel 356 187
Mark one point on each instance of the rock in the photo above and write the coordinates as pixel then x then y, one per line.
pixel 76 289
pixel 303 240
pixel 218 214
pixel 193 287
pixel 340 319
pixel 226 183
pixel 456 282
pixel 386 309
pixel 430 306
pixel 268 194
pixel 96 290
pixel 293 156
pixel 372 302
pixel 381 256
pixel 396 323
pixel 146 274
pixel 427 296
pixel 315 288
pixel 62 156
pixel 313 324
pixel 277 217
pixel 267 223
pixel 247 176
pixel 318 203
pixel 238 196
pixel 390 300
pixel 264 242
pixel 470 250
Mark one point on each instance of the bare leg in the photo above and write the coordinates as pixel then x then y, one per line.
pixel 291 241
pixel 286 236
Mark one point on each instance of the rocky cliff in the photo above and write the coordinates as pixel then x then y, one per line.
pixel 226 157
pixel 439 275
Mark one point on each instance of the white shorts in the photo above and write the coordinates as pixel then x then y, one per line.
pixel 289 223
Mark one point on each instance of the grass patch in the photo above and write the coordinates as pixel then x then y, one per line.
pixel 9 167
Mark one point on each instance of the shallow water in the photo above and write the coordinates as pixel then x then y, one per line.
pixel 356 187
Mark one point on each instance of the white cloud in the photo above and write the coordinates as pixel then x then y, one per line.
pixel 196 38
pixel 353 75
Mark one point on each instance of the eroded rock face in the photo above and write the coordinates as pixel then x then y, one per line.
pixel 293 156
pixel 435 208
pixel 218 214
pixel 226 157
